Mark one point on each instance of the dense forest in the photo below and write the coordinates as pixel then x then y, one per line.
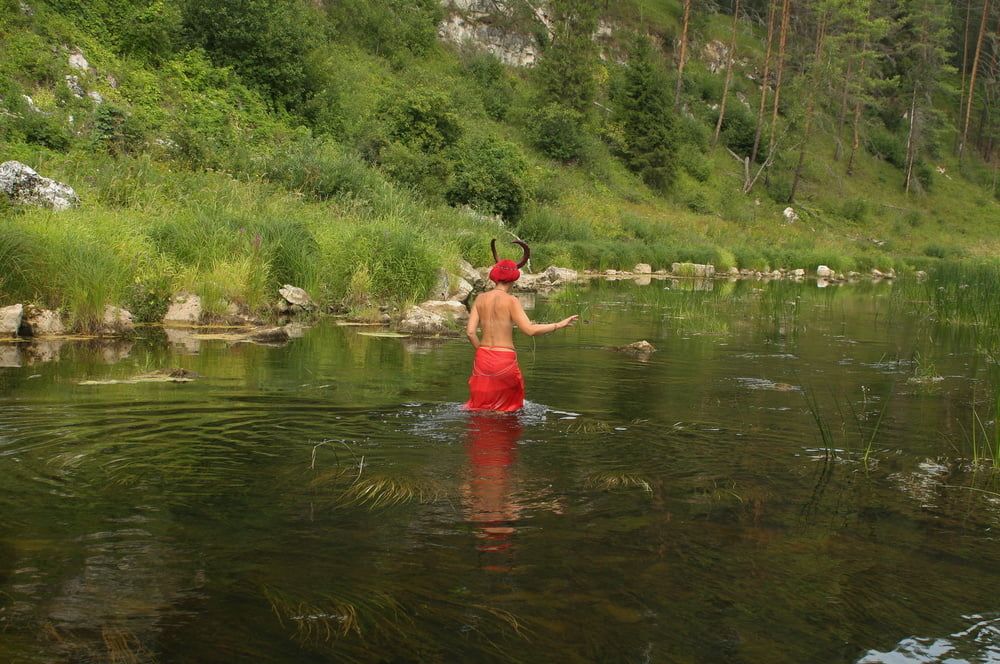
pixel 355 146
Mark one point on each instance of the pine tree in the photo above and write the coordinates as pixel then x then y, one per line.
pixel 644 111
pixel 566 69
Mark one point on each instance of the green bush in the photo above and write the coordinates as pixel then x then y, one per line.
pixel 266 41
pixel 48 130
pixel 694 162
pixel 151 32
pixel 557 131
pixel 388 27
pixel 494 84
pixel 115 130
pixel 426 173
pixel 855 209
pixel 491 176
pixel 545 225
pixel 421 118
pixel 738 130
pixel 886 145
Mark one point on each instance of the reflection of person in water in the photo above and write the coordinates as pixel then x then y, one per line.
pixel 489 495
pixel 496 382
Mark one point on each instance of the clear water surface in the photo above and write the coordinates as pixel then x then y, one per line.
pixel 329 500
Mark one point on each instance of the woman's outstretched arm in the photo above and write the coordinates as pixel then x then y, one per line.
pixel 535 329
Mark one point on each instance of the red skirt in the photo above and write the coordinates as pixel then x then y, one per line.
pixel 496 382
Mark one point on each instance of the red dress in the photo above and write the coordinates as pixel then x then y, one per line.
pixel 496 382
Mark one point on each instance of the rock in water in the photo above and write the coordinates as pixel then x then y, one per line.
pixel 270 335
pixel 116 321
pixel 824 272
pixel 421 322
pixel 26 187
pixel 42 323
pixel 185 309
pixel 10 320
pixel 557 276
pixel 639 347
pixel 447 309
pixel 297 297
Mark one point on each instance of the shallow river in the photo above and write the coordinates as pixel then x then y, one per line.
pixel 787 479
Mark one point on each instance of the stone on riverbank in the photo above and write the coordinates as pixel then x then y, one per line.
pixel 297 297
pixel 423 322
pixel 824 272
pixel 116 321
pixel 26 187
pixel 10 320
pixel 643 268
pixel 185 309
pixel 41 323
pixel 692 270
pixel 471 275
pixel 447 309
pixel 269 335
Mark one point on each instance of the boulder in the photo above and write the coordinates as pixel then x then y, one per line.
pixel 24 186
pixel 295 296
pixel 471 275
pixel 920 275
pixel 42 323
pixel 643 268
pixel 447 309
pixel 420 322
pixel 185 309
pixel 73 83
pixel 442 286
pixel 640 347
pixel 10 320
pixel 559 275
pixel 790 216
pixel 734 271
pixel 116 321
pixel 798 273
pixel 877 274
pixel 77 61
pixel 269 335
pixel 824 272
pixel 693 270
pixel 461 290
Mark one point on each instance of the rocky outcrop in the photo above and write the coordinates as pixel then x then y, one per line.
pixel 184 309
pixel 26 187
pixel 10 320
pixel 447 287
pixel 471 275
pixel 513 49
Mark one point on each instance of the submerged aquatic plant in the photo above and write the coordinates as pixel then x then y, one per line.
pixel 611 481
pixel 381 491
pixel 864 441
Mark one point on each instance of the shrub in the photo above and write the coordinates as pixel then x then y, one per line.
pixel 546 225
pixel 421 118
pixel 557 131
pixel 491 176
pixel 855 209
pixel 388 27
pixel 694 162
pixel 886 145
pixel 497 91
pixel 47 130
pixel 151 32
pixel 115 131
pixel 265 41
pixel 738 129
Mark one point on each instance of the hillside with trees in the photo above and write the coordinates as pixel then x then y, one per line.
pixel 354 147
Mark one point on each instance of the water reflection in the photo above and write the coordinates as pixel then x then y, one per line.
pixel 488 495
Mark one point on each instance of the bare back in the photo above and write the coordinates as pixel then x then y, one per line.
pixel 496 313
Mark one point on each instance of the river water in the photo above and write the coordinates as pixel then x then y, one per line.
pixel 787 479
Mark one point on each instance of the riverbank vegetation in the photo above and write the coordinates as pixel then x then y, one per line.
pixel 229 147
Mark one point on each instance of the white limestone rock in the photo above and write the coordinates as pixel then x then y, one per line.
pixel 25 186
pixel 10 320
pixel 184 309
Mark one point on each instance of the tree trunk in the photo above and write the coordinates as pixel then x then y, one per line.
pixel 910 147
pixel 842 116
pixel 782 40
pixel 729 73
pixel 856 137
pixel 965 59
pixel 680 63
pixel 810 107
pixel 972 80
pixel 763 81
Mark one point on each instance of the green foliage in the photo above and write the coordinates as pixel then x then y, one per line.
pixel 646 118
pixel 566 70
pixel 115 130
pixel 490 176
pixel 738 129
pixel 887 145
pixel 422 118
pixel 694 162
pixel 387 27
pixel 855 209
pixel 151 32
pixel 265 41
pixel 545 225
pixel 558 132
pixel 47 129
pixel 494 84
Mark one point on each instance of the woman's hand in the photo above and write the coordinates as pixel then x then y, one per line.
pixel 566 322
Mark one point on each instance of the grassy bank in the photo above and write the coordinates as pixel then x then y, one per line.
pixel 351 166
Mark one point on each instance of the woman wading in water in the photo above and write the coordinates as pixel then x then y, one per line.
pixel 496 382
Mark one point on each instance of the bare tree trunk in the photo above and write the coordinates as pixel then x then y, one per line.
pixel 910 143
pixel 810 107
pixel 842 116
pixel 680 63
pixel 782 40
pixel 729 73
pixel 972 79
pixel 965 59
pixel 763 81
pixel 856 137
